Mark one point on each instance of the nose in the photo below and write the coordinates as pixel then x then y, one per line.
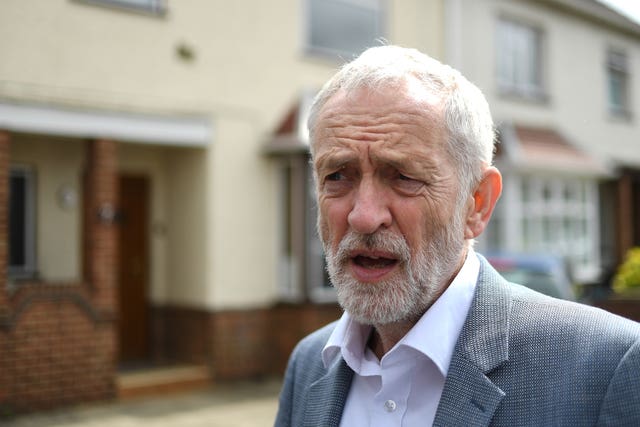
pixel 370 209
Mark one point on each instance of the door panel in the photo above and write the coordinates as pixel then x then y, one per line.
pixel 134 269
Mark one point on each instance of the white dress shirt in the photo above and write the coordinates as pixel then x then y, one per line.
pixel 404 388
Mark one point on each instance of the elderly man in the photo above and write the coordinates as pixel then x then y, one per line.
pixel 402 149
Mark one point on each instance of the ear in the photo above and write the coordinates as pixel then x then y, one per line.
pixel 482 203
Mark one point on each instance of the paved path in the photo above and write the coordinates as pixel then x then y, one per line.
pixel 237 405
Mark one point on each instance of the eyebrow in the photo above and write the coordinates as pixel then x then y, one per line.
pixel 337 157
pixel 414 162
pixel 332 160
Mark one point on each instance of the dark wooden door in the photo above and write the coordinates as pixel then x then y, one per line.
pixel 134 269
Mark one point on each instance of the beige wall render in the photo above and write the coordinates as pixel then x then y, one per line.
pixel 248 66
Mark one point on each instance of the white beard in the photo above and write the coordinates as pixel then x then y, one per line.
pixel 411 290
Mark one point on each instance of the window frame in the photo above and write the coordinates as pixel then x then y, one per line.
pixel 152 7
pixel 319 286
pixel 381 10
pixel 302 274
pixel 617 61
pixel 535 88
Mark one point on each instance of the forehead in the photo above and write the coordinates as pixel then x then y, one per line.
pixel 408 94
pixel 404 118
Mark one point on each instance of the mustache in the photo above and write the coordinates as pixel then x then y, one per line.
pixel 382 240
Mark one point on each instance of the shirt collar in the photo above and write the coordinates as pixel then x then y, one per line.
pixel 434 335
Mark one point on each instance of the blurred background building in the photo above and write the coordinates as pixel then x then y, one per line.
pixel 156 201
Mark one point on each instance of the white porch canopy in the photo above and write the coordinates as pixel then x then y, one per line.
pixel 121 126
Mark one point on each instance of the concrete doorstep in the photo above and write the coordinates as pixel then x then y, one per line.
pixel 162 380
pixel 238 404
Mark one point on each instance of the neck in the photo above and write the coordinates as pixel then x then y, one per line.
pixel 384 337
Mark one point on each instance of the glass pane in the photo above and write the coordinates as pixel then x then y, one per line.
pixel 493 234
pixel 617 89
pixel 17 220
pixel 526 185
pixel 570 232
pixel 568 192
pixel 548 236
pixel 519 57
pixel 526 233
pixel 140 3
pixel 286 209
pixel 153 6
pixel 547 192
pixel 343 27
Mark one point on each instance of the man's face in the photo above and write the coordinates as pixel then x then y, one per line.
pixel 387 194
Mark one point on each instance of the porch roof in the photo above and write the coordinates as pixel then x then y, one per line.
pixel 545 149
pixel 291 135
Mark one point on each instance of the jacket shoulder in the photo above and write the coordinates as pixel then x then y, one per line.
pixel 569 318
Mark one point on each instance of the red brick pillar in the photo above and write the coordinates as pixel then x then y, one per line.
pixel 4 216
pixel 100 231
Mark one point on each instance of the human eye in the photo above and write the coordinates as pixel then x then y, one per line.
pixel 336 183
pixel 408 185
pixel 335 176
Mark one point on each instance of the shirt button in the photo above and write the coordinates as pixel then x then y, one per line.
pixel 390 406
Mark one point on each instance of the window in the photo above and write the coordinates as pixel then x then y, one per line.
pixel 555 215
pixel 618 83
pixel 519 59
pixel 292 227
pixel 21 222
pixel 343 28
pixel 319 284
pixel 151 6
pixel 302 271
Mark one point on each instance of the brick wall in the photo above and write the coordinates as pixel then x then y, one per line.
pixel 179 335
pixel 292 323
pixel 629 308
pixel 236 344
pixel 254 343
pixel 56 351
pixel 240 343
pixel 57 341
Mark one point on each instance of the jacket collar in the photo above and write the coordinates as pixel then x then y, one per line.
pixel 469 397
pixel 327 396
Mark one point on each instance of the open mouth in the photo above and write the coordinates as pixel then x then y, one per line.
pixel 374 262
pixel 371 266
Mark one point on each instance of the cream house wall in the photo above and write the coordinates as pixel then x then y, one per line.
pixel 249 66
pixel 418 24
pixel 188 258
pixel 574 53
pixel 245 197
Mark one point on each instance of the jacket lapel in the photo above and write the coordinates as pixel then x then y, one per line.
pixel 469 397
pixel 327 396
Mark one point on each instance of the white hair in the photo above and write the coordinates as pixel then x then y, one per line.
pixel 467 118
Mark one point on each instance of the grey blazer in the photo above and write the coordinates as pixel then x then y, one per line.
pixel 522 359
